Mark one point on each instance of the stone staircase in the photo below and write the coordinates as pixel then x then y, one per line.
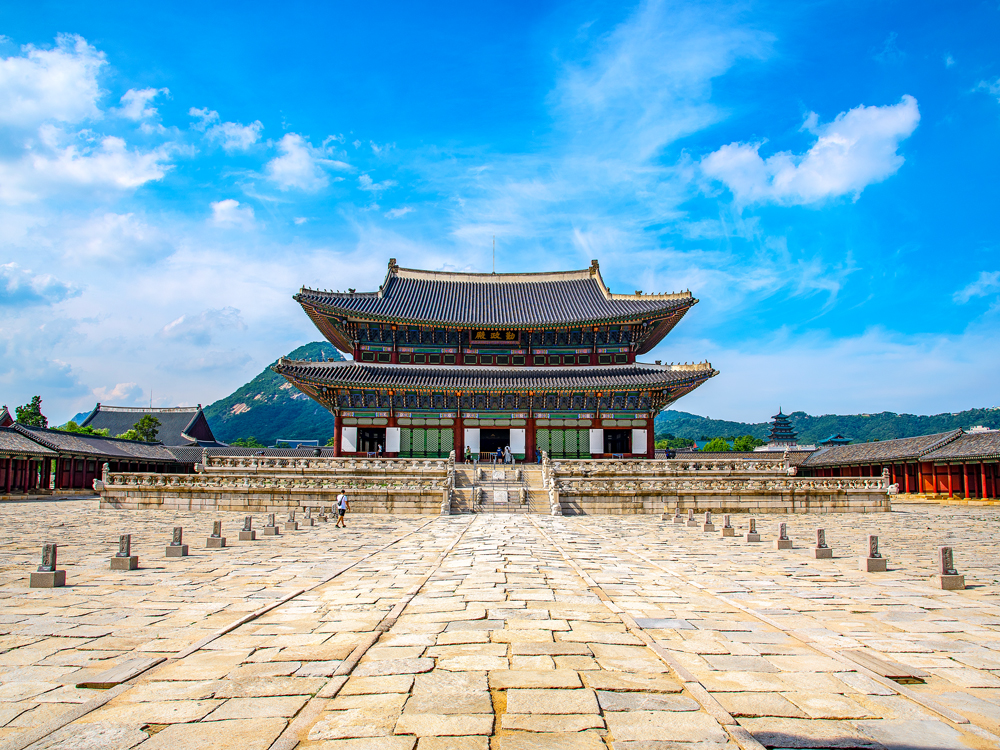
pixel 475 487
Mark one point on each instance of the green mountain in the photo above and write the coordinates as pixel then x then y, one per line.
pixel 269 407
pixel 861 428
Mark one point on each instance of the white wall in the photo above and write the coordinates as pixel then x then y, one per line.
pixel 517 440
pixel 349 439
pixel 472 439
pixel 638 441
pixel 392 440
pixel 596 441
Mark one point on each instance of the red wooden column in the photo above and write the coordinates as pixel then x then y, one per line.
pixel 459 437
pixel 72 472
pixel 906 478
pixel 650 447
pixel 950 490
pixel 336 434
pixel 982 480
pixel 965 479
pixel 10 474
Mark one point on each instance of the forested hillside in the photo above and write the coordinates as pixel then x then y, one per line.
pixel 269 407
pixel 859 427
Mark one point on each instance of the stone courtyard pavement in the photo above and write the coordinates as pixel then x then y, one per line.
pixel 509 632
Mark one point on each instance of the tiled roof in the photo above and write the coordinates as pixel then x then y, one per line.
pixel 969 447
pixel 13 442
pixel 95 445
pixel 613 377
pixel 881 452
pixel 184 425
pixel 5 418
pixel 466 299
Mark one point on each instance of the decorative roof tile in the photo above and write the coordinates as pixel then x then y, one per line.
pixel 481 299
pixel 457 378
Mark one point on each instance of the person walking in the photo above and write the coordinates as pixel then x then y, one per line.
pixel 342 507
pixel 508 457
pixel 468 455
pixel 498 458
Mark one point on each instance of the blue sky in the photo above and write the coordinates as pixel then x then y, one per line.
pixel 821 175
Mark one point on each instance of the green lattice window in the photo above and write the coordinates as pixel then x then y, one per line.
pixel 428 442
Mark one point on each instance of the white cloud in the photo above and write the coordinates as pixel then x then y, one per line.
pixel 857 149
pixel 232 136
pixel 114 236
pixel 300 220
pixel 365 183
pixel 135 103
pixel 94 162
pixel 199 329
pixel 300 165
pixel 229 213
pixel 993 87
pixel 57 84
pixel 22 287
pixel 122 394
pixel 988 283
pixel 395 213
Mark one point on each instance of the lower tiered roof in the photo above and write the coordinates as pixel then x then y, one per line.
pixel 456 378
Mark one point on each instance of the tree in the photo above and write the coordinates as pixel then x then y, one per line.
pixel 717 445
pixel 30 415
pixel 332 442
pixel 746 443
pixel 72 426
pixel 248 442
pixel 145 430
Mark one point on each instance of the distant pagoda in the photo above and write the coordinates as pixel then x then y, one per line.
pixel 781 431
pixel 474 362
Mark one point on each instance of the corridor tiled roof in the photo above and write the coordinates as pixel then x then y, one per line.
pixel 882 451
pixel 13 442
pixel 95 445
pixel 468 299
pixel 370 375
pixel 974 446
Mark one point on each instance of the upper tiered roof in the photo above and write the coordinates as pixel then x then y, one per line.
pixel 510 300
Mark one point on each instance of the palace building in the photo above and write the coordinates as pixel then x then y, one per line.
pixel 534 361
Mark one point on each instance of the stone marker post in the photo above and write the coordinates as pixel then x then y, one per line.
pixel 947 576
pixel 269 528
pixel 782 542
pixel 821 551
pixel 177 547
pixel 216 541
pixel 247 534
pixel 708 525
pixel 291 524
pixel 47 577
pixel 874 563
pixel 125 560
pixel 691 523
pixel 677 517
pixel 309 520
pixel 752 535
pixel 727 528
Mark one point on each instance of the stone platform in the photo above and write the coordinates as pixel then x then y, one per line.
pixel 514 632
pixel 560 487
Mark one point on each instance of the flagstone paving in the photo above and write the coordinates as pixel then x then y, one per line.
pixel 509 632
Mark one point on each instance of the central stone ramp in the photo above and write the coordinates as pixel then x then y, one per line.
pixel 480 489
